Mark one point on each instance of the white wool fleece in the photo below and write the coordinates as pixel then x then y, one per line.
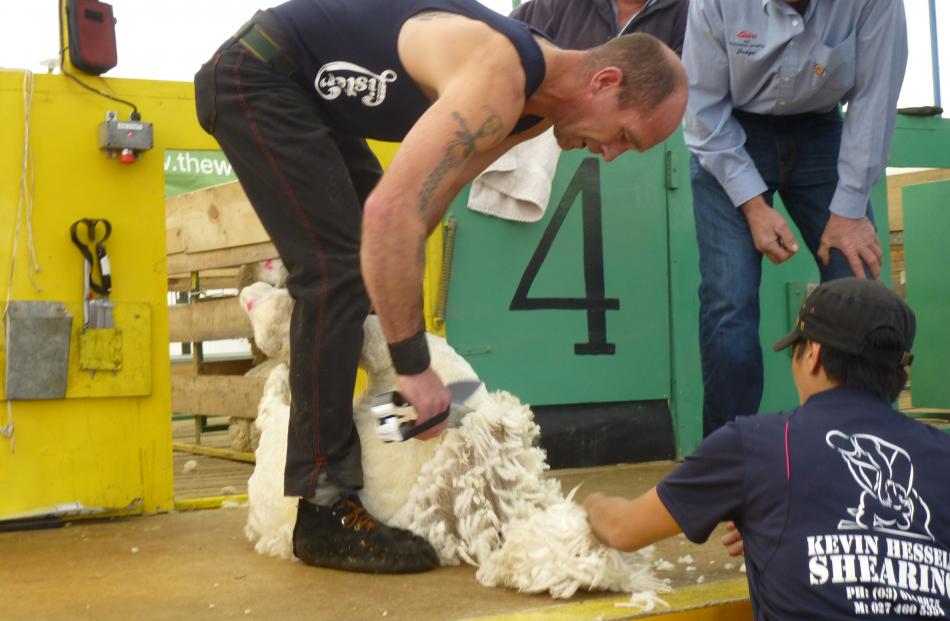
pixel 478 493
pixel 271 515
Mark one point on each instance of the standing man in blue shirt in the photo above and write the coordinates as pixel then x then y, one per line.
pixel 766 78
pixel 840 505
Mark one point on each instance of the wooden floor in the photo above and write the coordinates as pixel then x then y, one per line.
pixel 210 476
pixel 199 565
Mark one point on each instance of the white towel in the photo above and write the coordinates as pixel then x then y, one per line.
pixel 517 185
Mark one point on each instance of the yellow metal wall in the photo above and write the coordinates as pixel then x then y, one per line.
pixel 114 452
pixel 104 452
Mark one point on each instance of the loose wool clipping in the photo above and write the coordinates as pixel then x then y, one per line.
pixel 478 493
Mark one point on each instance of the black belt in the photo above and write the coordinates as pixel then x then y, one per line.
pixel 265 45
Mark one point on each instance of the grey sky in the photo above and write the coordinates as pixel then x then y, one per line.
pixel 168 40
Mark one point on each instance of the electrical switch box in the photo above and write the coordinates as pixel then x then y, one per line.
pixel 124 139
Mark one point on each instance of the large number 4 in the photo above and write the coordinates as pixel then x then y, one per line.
pixel 586 182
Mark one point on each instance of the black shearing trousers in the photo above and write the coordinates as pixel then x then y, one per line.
pixel 307 185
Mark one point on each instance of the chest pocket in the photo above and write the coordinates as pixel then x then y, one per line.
pixel 831 70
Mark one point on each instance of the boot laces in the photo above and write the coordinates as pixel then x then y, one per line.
pixel 356 517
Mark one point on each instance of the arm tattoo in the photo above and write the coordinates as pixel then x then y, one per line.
pixel 457 151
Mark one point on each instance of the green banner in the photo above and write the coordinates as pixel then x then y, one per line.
pixel 187 171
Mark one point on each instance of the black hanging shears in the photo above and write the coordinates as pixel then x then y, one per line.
pixel 90 236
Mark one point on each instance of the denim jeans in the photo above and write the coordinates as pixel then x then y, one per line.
pixel 797 156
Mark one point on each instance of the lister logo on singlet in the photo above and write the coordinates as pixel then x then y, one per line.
pixel 343 78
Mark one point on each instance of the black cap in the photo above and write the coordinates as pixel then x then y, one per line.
pixel 843 313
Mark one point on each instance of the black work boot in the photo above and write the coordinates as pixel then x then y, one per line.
pixel 345 536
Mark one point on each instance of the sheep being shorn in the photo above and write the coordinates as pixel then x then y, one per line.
pixel 271 271
pixel 270 514
pixel 478 494
pixel 269 308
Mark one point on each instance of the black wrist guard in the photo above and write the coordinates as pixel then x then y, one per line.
pixel 411 356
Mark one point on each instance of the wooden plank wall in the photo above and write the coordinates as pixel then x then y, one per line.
pixel 212 219
pixel 213 229
pixel 212 232
pixel 236 396
pixel 208 320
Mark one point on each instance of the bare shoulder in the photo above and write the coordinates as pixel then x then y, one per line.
pixel 436 46
pixel 430 16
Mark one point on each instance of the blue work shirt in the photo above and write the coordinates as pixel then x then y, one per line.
pixel 842 504
pixel 761 56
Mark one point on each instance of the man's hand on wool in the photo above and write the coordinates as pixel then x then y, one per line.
pixel 857 240
pixel 770 233
pixel 600 510
pixel 428 396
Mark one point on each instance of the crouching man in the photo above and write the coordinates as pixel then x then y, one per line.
pixel 841 504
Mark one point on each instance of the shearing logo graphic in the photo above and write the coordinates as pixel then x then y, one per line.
pixel 341 77
pixel 888 503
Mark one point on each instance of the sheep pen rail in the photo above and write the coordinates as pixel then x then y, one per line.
pixel 211 234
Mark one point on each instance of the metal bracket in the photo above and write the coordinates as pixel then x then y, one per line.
pixel 37 348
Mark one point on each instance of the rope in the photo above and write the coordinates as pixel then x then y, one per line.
pixel 24 208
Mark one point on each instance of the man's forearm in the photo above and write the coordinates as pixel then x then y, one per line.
pixel 630 524
pixel 393 261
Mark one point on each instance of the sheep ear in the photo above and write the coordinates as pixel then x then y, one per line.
pixel 251 294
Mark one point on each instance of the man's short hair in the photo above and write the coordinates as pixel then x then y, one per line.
pixel 856 371
pixel 649 70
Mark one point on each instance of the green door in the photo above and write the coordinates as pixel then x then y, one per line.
pixel 573 308
pixel 926 230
